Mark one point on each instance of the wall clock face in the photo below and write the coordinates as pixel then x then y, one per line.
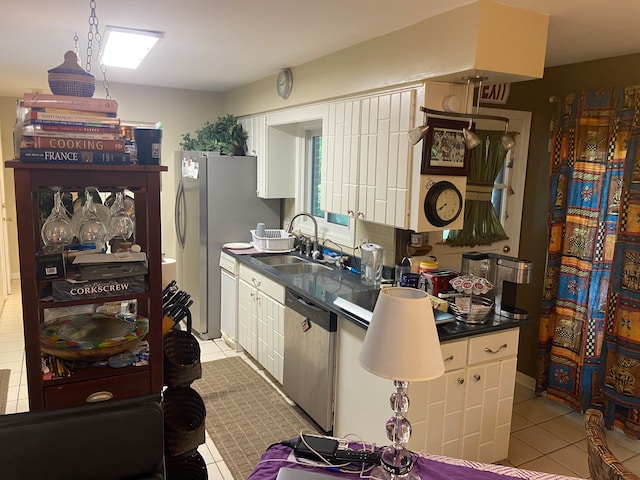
pixel 284 83
pixel 443 203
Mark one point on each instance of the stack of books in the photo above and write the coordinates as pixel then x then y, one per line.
pixel 66 129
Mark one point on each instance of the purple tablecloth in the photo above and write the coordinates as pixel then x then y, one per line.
pixel 430 467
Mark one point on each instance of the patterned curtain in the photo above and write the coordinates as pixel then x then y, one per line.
pixel 590 134
pixel 481 223
pixel 621 348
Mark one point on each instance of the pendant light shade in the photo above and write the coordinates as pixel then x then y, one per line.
pixel 471 140
pixel 417 134
pixel 508 142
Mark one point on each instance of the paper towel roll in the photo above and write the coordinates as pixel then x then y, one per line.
pixel 168 271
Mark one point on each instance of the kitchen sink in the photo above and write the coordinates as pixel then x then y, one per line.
pixel 298 268
pixel 282 260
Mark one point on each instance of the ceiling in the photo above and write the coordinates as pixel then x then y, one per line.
pixel 216 45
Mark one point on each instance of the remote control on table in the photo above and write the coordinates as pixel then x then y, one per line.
pixel 362 456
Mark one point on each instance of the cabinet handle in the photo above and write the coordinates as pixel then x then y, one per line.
pixel 350 213
pixel 488 350
pixel 255 281
pixel 477 377
pixel 449 358
pixel 460 380
pixel 99 397
pixel 361 215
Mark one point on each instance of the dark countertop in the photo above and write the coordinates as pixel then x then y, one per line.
pixel 324 287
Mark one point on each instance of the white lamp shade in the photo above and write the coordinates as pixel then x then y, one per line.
pixel 402 340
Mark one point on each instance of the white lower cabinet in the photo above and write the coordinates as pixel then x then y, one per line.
pixel 466 413
pixel 261 320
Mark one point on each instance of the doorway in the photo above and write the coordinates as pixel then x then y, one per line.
pixel 511 189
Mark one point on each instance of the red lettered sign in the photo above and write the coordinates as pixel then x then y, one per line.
pixel 498 93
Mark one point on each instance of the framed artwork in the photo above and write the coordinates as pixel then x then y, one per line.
pixel 443 149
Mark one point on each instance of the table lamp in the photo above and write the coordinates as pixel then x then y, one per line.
pixel 402 345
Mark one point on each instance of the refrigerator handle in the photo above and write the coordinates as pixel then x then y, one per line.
pixel 180 215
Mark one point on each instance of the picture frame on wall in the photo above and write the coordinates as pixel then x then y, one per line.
pixel 443 149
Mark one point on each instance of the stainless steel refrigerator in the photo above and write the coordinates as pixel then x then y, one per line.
pixel 216 203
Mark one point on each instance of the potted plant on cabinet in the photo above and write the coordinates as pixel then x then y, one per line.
pixel 226 135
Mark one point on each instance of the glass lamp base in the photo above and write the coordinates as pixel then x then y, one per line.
pixel 382 474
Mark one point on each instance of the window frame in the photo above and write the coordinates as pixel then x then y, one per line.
pixel 344 235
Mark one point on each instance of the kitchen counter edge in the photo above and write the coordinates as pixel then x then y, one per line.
pixel 446 332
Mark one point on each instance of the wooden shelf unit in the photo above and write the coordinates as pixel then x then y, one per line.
pixel 91 383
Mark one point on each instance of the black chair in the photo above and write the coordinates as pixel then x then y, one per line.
pixel 115 440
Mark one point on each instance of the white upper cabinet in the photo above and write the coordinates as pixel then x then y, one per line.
pixel 256 128
pixel 367 159
pixel 340 158
pixel 385 162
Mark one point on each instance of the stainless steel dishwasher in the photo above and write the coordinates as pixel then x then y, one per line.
pixel 309 350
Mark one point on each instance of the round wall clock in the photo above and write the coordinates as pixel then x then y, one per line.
pixel 284 83
pixel 442 203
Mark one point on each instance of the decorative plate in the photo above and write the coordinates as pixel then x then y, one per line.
pixel 91 336
pixel 237 245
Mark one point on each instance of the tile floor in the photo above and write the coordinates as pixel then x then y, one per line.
pixel 546 436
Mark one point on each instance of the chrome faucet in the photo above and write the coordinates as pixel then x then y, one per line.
pixel 316 255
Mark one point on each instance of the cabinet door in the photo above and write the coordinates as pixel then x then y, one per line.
pixel 488 406
pixel 384 162
pixel 340 165
pixel 436 426
pixel 247 318
pixel 262 322
pixel 271 339
pixel 256 128
pixel 436 406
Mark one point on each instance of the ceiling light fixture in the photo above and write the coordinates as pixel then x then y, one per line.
pixel 127 47
pixel 470 138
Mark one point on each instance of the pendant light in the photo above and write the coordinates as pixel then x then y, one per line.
pixel 471 140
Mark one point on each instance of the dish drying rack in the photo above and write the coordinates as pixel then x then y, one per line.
pixel 273 240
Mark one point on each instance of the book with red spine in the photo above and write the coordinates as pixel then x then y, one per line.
pixel 88 104
pixel 35 116
pixel 67 111
pixel 28 129
pixel 62 123
pixel 72 143
pixel 41 155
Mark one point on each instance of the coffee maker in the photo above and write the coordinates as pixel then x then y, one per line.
pixel 505 273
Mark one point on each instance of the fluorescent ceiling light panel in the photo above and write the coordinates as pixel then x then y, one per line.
pixel 127 47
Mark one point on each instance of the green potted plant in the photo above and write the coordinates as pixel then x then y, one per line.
pixel 226 135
